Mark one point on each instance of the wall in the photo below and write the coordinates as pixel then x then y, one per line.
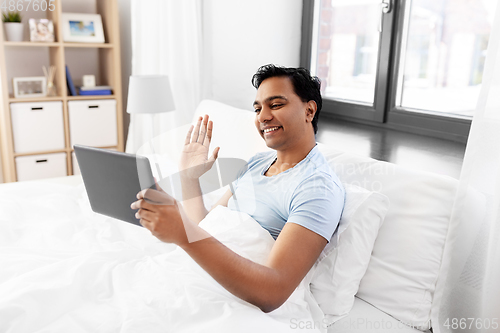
pixel 124 8
pixel 240 36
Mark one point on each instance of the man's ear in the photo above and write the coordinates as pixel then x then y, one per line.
pixel 311 108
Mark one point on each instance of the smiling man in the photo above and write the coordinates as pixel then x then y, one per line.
pixel 291 192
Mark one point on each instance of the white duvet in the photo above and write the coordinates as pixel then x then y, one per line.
pixel 64 268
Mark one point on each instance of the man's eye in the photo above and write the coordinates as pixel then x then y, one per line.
pixel 257 110
pixel 276 105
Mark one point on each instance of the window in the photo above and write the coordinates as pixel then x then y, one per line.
pixel 414 65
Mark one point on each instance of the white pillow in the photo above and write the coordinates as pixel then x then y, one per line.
pixel 365 318
pixel 344 261
pixel 406 258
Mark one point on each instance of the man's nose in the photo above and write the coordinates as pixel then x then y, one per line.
pixel 265 114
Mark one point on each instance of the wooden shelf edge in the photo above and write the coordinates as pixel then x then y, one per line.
pixel 35 99
pixel 64 150
pixel 89 45
pixel 86 97
pixel 58 44
pixel 32 44
pixel 59 98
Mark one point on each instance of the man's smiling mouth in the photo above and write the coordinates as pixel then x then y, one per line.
pixel 271 129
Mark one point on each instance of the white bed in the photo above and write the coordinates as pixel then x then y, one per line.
pixel 64 268
pixel 67 269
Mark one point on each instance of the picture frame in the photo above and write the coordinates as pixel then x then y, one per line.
pixel 35 86
pixel 41 30
pixel 82 28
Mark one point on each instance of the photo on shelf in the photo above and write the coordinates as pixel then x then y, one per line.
pixel 41 30
pixel 85 28
pixel 29 86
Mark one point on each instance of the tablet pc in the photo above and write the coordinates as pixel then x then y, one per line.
pixel 113 179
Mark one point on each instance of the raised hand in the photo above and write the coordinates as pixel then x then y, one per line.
pixel 194 158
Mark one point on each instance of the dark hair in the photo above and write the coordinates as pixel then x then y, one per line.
pixel 307 87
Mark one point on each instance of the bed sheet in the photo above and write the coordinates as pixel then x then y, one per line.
pixel 64 268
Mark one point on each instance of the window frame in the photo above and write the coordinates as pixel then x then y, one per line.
pixel 385 113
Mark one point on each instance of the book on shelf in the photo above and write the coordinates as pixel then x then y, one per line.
pixel 69 81
pixel 97 90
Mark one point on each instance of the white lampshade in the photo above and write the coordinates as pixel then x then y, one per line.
pixel 149 94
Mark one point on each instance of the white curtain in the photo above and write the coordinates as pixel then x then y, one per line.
pixel 167 40
pixel 468 291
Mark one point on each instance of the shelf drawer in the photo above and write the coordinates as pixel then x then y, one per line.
pixel 37 126
pixel 41 166
pixel 93 122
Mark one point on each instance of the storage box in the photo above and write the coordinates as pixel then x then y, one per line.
pixel 41 166
pixel 93 122
pixel 37 127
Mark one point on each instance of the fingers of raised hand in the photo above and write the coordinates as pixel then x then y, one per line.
pixel 199 133
pixel 209 133
pixel 196 132
pixel 203 130
pixel 188 136
pixel 216 153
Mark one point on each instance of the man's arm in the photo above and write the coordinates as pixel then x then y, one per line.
pixel 266 286
pixel 195 206
pixel 193 164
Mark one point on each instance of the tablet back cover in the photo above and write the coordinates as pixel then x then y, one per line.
pixel 113 179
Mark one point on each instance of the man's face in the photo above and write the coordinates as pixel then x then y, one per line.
pixel 281 114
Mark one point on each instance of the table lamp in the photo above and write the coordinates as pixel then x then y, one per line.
pixel 150 94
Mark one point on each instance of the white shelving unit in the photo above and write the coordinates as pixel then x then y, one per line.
pixel 109 73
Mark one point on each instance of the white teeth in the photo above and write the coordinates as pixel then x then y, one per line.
pixel 267 130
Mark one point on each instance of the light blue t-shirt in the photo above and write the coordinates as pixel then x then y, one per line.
pixel 309 194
